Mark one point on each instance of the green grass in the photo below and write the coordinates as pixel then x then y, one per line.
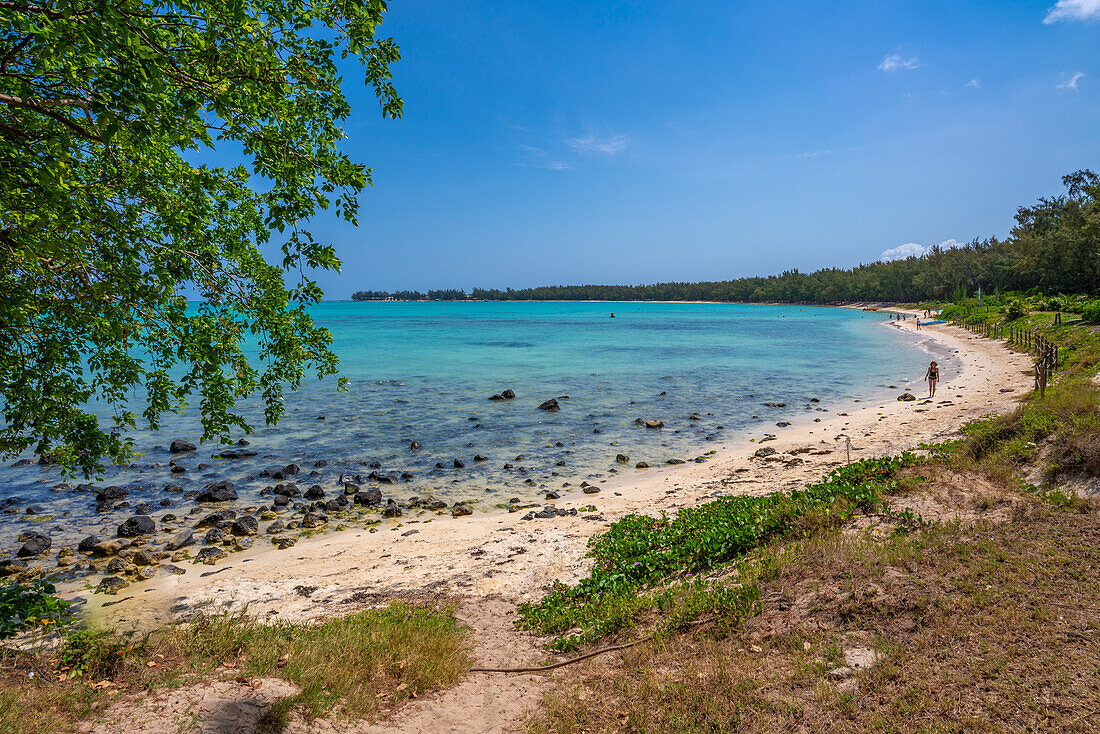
pixel 351 665
pixel 641 552
pixel 1058 433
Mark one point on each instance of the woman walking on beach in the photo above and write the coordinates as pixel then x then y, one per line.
pixel 933 376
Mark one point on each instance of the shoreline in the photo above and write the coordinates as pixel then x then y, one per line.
pixel 501 554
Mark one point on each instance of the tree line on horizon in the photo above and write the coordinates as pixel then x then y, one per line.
pixel 1054 247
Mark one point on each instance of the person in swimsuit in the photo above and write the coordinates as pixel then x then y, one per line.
pixel 933 376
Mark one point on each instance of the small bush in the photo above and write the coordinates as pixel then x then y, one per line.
pixel 1015 308
pixel 23 606
pixel 1090 312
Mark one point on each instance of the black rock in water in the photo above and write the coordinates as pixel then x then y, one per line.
pixel 550 405
pixel 370 498
pixel 36 544
pixel 217 492
pixel 180 447
pixel 136 526
pixel 508 394
pixel 112 494
pixel 237 453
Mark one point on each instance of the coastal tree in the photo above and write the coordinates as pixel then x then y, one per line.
pixel 117 208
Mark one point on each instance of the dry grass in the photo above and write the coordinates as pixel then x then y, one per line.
pixel 980 627
pixel 355 665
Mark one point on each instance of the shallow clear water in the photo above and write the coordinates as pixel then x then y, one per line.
pixel 424 372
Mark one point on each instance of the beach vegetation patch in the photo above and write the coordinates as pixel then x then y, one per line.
pixel 352 666
pixel 641 552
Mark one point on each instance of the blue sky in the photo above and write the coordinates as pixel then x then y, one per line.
pixel 632 142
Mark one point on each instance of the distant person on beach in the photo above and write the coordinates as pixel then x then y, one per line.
pixel 933 376
pixel 918 326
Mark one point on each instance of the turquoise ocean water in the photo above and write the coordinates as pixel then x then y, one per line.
pixel 424 372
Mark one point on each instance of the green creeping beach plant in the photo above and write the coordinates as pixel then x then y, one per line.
pixel 642 552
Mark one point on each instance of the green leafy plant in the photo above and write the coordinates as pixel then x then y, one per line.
pixel 27 606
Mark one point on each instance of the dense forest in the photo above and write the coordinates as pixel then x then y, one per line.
pixel 1054 248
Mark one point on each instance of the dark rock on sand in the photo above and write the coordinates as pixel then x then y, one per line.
pixel 314 520
pixel 906 397
pixel 215 536
pixel 641 465
pixel 181 539
pixel 782 424
pixel 766 451
pixel 245 525
pixel 590 489
pixel 217 492
pixel 314 493
pixel 136 526
pixel 392 510
pixel 111 585
pixel 551 511
pixel 459 509
pixel 211 555
pixel 275 528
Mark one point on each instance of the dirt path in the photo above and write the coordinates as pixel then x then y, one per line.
pixel 481 703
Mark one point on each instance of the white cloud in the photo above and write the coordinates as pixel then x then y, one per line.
pixel 909 249
pixel 1069 10
pixel 814 154
pixel 611 144
pixel 912 249
pixel 1072 82
pixel 974 84
pixel 894 62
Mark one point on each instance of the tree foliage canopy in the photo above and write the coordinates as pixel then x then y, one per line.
pixel 109 220
pixel 1055 247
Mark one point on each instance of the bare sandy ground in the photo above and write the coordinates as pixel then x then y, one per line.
pixel 497 560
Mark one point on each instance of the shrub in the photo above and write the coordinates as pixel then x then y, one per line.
pixel 1015 308
pixel 1090 312
pixel 23 606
